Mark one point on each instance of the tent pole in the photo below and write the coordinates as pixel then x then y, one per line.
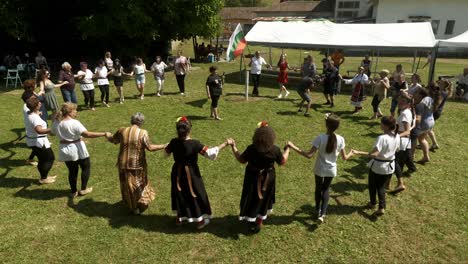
pixel 414 60
pixel 300 57
pixel 240 68
pixel 433 63
pixel 417 65
pixel 270 61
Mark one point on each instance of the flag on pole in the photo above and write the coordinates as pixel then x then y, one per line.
pixel 237 43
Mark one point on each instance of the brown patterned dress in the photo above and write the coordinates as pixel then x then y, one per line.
pixel 136 190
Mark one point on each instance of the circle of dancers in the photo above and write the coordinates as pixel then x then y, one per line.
pixel 418 108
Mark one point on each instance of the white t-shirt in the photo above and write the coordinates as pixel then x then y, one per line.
pixel 180 65
pixel 109 63
pixel 158 69
pixel 386 145
pixel 117 72
pixel 33 139
pixel 102 76
pixel 413 88
pixel 325 165
pixel 140 69
pixel 70 130
pixel 405 116
pixel 86 83
pixel 256 66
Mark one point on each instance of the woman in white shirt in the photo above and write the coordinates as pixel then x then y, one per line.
pixel 139 71
pixel 382 163
pixel 72 149
pixel 102 73
pixel 404 155
pixel 36 138
pixel 158 68
pixel 328 146
pixel 86 85
pixel 108 61
pixel 358 82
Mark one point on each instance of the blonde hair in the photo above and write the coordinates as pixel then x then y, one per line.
pixel 65 110
pixel 66 65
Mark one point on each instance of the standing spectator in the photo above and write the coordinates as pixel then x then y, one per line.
pixel 158 68
pixel 461 91
pixel 439 94
pixel 415 84
pixel 117 73
pixel 41 61
pixel 399 87
pixel 380 92
pixel 181 68
pixel 135 188
pixel 338 58
pixel 72 149
pixel 308 69
pixel 424 120
pixel 102 73
pixel 382 164
pixel 358 82
pixel 367 64
pixel 47 90
pixel 36 138
pixel 108 61
pixel 139 71
pixel 86 85
pixel 214 89
pixel 429 59
pixel 283 75
pixel 68 90
pixel 256 63
pixel 330 82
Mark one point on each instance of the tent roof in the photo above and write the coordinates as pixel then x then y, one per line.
pixel 325 34
pixel 458 41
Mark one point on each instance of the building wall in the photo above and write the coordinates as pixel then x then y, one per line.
pixel 393 11
pixel 346 10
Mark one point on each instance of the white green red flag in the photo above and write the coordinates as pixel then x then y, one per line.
pixel 237 43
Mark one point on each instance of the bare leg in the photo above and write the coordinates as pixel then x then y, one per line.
pixel 425 147
pixel 432 135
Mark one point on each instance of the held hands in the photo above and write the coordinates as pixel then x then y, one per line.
pixel 231 142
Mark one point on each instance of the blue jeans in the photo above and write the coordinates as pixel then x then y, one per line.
pixel 69 96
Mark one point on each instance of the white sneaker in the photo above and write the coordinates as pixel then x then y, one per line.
pixel 287 93
pixel 321 219
pixel 182 94
pixel 50 179
pixel 158 95
pixel 121 101
pixel 142 97
pixel 280 96
pixel 107 105
pixel 205 223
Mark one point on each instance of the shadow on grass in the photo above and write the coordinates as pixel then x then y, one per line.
pixel 41 194
pixel 7 162
pixel 194 118
pixel 288 113
pixel 360 170
pixel 198 103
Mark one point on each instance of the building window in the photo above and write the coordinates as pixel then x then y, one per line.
pixel 347 14
pixel 435 26
pixel 349 4
pixel 449 27
pixel 400 21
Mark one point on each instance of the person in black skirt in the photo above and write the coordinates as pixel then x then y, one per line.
pixel 258 191
pixel 214 89
pixel 188 195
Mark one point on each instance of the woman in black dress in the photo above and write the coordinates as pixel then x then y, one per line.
pixel 258 191
pixel 188 195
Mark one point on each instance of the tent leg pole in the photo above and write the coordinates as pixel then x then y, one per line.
pixel 433 64
pixel 246 85
pixel 270 61
pixel 240 68
pixel 414 60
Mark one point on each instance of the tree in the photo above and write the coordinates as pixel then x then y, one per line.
pixel 240 3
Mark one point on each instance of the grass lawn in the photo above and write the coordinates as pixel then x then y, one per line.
pixel 426 223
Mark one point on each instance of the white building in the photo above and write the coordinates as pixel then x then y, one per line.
pixel 449 18
pixel 352 10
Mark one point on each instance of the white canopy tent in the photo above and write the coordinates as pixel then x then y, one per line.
pixel 460 41
pixel 325 34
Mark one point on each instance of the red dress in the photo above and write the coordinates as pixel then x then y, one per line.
pixel 283 74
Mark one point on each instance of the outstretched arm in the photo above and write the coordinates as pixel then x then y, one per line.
pixel 88 134
pixel 154 147
pixel 345 156
pixel 374 153
pixel 235 151
pixel 308 154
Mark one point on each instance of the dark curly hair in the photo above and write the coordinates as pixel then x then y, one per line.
pixel 183 129
pixel 264 138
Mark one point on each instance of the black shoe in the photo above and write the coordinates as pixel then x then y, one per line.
pixel 306 114
pixel 327 103
pixel 332 105
pixel 300 110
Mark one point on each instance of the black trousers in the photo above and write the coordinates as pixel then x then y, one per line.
pixel 89 98
pixel 46 160
pixel 322 193
pixel 104 93
pixel 255 82
pixel 214 101
pixel 375 103
pixel 404 157
pixel 181 82
pixel 377 188
pixel 32 155
pixel 73 166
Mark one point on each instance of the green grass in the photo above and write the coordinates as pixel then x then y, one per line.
pixel 426 223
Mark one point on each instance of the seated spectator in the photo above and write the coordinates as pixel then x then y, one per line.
pixel 462 86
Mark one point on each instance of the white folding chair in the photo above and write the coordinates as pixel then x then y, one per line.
pixel 12 78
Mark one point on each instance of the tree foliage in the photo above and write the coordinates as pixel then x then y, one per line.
pixel 240 3
pixel 134 24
